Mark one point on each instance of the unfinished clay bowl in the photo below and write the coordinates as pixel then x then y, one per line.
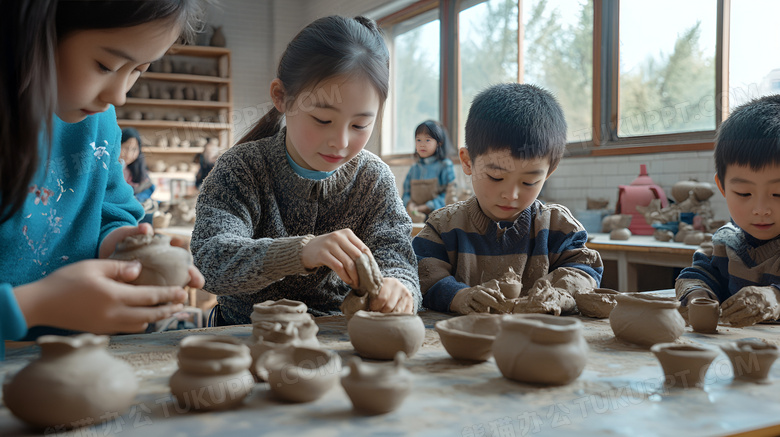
pixel 379 336
pixel 540 348
pixel 751 360
pixel 213 373
pixel 162 264
pixel 75 382
pixel 469 337
pixel 645 319
pixel 301 374
pixel 684 365
pixel 377 388
pixel 597 303
pixel 284 312
pixel 703 314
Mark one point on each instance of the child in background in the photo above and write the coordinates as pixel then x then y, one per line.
pixel 515 138
pixel 743 272
pixel 286 213
pixel 135 171
pixel 63 198
pixel 432 176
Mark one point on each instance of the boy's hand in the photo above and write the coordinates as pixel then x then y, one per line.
pixel 393 297
pixel 108 246
pixel 336 250
pixel 546 299
pixel 751 305
pixel 478 299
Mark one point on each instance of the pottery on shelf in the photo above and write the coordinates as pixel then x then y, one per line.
pixel 75 382
pixel 377 388
pixel 597 303
pixel 162 264
pixel 218 38
pixel 684 365
pixel 213 373
pixel 751 360
pixel 469 337
pixel 369 283
pixel 645 319
pixel 540 348
pixel 703 314
pixel 380 336
pixel 620 234
pixel 301 374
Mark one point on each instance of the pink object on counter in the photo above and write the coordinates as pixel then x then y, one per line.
pixel 640 193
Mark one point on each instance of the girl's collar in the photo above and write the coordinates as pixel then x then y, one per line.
pixel 429 160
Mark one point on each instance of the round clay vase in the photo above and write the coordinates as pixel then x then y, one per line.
pixel 379 336
pixel 285 312
pixel 703 314
pixel 75 382
pixel 751 360
pixel 469 337
pixel 301 374
pixel 597 303
pixel 377 388
pixel 213 373
pixel 645 319
pixel 540 348
pixel 684 364
pixel 162 264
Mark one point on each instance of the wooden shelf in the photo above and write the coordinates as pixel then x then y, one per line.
pixel 193 50
pixel 174 124
pixel 178 103
pixel 172 150
pixel 179 77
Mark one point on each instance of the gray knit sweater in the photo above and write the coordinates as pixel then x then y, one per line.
pixel 255 214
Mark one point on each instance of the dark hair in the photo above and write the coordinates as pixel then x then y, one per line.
pixel 523 118
pixel 138 170
pixel 328 47
pixel 750 136
pixel 29 31
pixel 436 131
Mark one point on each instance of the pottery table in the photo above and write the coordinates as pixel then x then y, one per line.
pixel 619 393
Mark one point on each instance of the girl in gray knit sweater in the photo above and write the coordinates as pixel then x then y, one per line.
pixel 285 213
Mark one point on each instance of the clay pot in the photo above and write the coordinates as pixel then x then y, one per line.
pixel 684 365
pixel 511 289
pixel 469 337
pixel 751 360
pixel 380 336
pixel 703 314
pixel 162 264
pixel 377 388
pixel 218 38
pixel 620 234
pixel 597 303
pixel 646 320
pixel 75 382
pixel 683 189
pixel 213 373
pixel 540 348
pixel 284 312
pixel 302 374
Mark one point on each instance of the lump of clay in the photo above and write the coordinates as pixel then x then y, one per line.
pixel 377 388
pixel 597 303
pixel 645 319
pixel 684 364
pixel 751 360
pixel 302 374
pixel 469 337
pixel 75 382
pixel 370 282
pixel 162 264
pixel 380 336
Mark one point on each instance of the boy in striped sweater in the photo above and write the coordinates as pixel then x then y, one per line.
pixel 515 138
pixel 743 271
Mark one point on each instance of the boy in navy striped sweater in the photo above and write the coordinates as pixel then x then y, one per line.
pixel 515 138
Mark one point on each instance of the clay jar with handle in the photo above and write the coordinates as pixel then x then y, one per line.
pixel 213 373
pixel 540 348
pixel 75 382
pixel 379 336
pixel 703 314
pixel 162 264
pixel 684 364
pixel 645 319
pixel 377 388
pixel 751 359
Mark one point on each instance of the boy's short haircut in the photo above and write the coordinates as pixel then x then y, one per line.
pixel 750 136
pixel 523 118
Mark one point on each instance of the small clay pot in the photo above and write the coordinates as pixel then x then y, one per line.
pixel 380 336
pixel 597 303
pixel 751 360
pixel 302 374
pixel 540 348
pixel 284 312
pixel 645 319
pixel 213 373
pixel 511 289
pixel 684 365
pixel 703 314
pixel 162 264
pixel 377 388
pixel 469 337
pixel 75 382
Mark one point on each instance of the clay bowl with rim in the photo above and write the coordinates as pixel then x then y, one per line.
pixel 301 374
pixel 596 303
pixel 751 360
pixel 469 337
pixel 379 336
pixel 684 365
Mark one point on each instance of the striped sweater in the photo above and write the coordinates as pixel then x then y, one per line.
pixel 738 260
pixel 461 247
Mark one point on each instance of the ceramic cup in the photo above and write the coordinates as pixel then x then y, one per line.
pixel 703 314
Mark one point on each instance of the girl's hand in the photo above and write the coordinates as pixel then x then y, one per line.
pixel 393 297
pixel 93 296
pixel 108 246
pixel 336 250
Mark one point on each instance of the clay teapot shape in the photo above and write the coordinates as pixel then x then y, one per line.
pixel 751 360
pixel 540 348
pixel 379 336
pixel 213 373
pixel 162 264
pixel 377 388
pixel 684 365
pixel 301 374
pixel 469 337
pixel 645 319
pixel 703 314
pixel 641 191
pixel 75 382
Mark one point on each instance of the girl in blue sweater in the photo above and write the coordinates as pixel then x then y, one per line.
pixel 63 198
pixel 431 177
